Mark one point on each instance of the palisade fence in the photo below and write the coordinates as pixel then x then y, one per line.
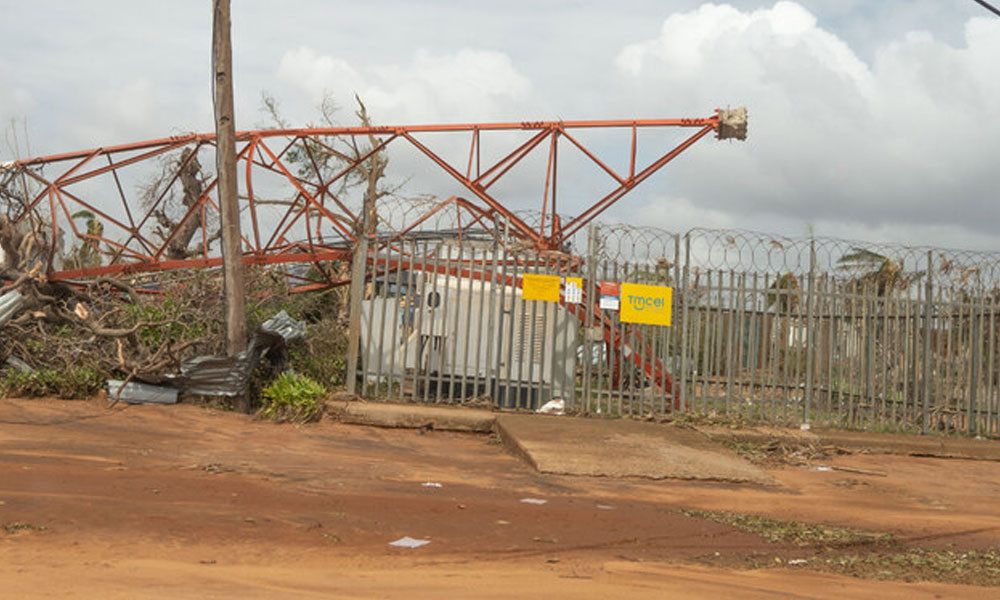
pixel 766 329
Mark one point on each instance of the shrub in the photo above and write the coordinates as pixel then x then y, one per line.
pixel 292 398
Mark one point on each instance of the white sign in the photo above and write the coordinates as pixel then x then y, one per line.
pixel 573 290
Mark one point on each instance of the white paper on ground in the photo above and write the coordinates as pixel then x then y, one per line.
pixel 533 501
pixel 408 542
pixel 431 484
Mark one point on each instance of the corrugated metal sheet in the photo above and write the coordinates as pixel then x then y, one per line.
pixel 141 393
pixel 229 375
pixel 288 328
pixel 10 304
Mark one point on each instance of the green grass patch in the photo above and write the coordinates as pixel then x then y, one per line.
pixel 800 534
pixel 970 567
pixel 14 527
pixel 292 398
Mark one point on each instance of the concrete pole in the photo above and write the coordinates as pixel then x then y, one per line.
pixel 225 158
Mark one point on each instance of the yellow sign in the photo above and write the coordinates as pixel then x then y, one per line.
pixel 648 304
pixel 540 287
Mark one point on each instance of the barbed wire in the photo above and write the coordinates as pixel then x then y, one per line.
pixel 841 259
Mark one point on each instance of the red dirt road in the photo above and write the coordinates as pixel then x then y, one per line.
pixel 184 502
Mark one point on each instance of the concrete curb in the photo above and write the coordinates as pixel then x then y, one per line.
pixel 515 447
pixel 455 418
pixel 412 416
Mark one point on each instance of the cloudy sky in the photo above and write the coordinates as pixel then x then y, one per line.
pixel 875 119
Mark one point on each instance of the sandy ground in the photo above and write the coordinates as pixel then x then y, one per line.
pixel 185 502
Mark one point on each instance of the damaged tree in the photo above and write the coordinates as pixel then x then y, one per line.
pixel 74 335
pixel 171 211
pixel 67 338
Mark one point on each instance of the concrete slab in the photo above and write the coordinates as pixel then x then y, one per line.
pixel 413 416
pixel 623 448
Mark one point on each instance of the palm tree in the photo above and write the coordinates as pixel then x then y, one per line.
pixel 875 270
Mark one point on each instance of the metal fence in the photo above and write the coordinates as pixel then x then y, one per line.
pixel 765 329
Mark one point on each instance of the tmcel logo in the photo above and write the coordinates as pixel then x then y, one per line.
pixel 644 302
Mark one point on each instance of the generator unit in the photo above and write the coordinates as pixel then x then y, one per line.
pixel 441 335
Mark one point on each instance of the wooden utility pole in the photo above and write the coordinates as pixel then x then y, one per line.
pixel 225 161
pixel 359 268
pixel 359 264
pixel 373 171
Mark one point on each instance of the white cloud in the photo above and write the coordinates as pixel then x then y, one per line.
pixel 832 138
pixel 468 84
pixel 680 214
pixel 122 113
pixel 858 121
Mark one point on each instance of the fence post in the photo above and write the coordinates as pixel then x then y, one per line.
pixel 588 322
pixel 974 356
pixel 675 350
pixel 682 390
pixel 928 315
pixel 810 331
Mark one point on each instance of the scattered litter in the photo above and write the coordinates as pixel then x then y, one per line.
pixel 822 468
pixel 553 407
pixel 141 393
pixel 81 311
pixel 805 427
pixel 432 484
pixel 798 561
pixel 408 542
pixel 605 507
pixel 534 501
